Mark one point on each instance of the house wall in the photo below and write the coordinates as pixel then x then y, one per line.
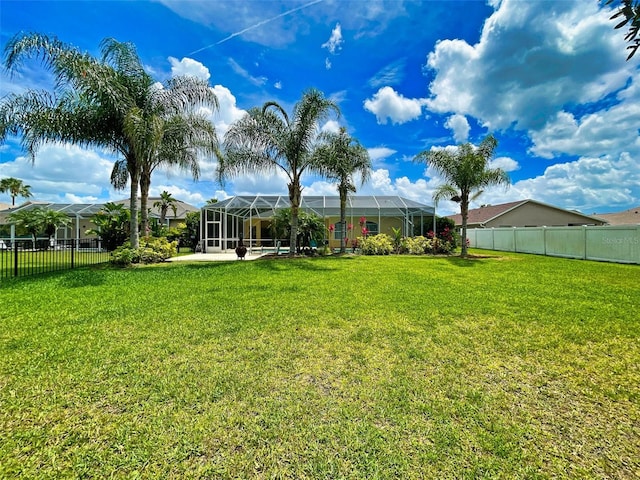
pixel 261 237
pixel 535 215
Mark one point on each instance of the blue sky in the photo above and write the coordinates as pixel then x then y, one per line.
pixel 548 78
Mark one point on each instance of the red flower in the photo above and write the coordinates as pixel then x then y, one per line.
pixel 350 226
pixel 332 228
pixel 365 231
pixel 363 220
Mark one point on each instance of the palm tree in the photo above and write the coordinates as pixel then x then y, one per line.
pixel 39 220
pixel 165 203
pixel 340 158
pixel 170 131
pixel 267 139
pixel 111 102
pixel 466 172
pixel 52 220
pixel 15 187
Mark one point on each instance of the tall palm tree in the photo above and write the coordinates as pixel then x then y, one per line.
pixel 170 131
pixel 340 158
pixel 267 139
pixel 467 173
pixel 15 187
pixel 99 102
pixel 165 203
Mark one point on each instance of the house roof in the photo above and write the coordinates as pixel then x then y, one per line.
pixel 487 213
pixel 4 206
pixel 182 208
pixel 86 210
pixel 327 205
pixel 628 217
pixel 482 215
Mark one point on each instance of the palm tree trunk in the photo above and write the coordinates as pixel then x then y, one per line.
pixel 145 184
pixel 464 213
pixel 133 207
pixel 343 220
pixel 294 198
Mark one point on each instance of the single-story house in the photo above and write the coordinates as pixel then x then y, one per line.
pixel 182 208
pixel 524 213
pixel 81 213
pixel 4 206
pixel 249 217
pixel 628 217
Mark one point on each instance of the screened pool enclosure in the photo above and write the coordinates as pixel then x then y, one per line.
pixel 249 217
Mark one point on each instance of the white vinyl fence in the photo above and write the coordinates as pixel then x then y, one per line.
pixel 620 244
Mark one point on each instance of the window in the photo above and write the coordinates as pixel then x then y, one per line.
pixel 372 228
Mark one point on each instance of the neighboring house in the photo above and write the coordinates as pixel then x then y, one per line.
pixel 628 217
pixel 4 206
pixel 249 217
pixel 525 213
pixel 182 208
pixel 81 213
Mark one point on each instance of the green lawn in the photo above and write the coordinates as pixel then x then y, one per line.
pixel 512 366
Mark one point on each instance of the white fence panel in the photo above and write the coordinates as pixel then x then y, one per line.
pixel 566 242
pixel 614 244
pixel 606 243
pixel 530 240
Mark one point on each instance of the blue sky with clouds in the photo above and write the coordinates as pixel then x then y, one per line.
pixel 548 78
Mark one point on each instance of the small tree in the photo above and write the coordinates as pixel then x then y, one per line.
pixel 34 221
pixel 165 203
pixel 112 225
pixel 15 187
pixel 467 173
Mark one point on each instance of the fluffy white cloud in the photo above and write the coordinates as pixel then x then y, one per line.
pixel 609 130
pixel 331 126
pixel 380 153
pixel 387 104
pixel 227 113
pixel 62 172
pixel 459 125
pixel 533 58
pixel 190 67
pixel 335 40
pixel 505 163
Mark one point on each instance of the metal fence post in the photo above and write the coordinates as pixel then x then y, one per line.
pixel 15 258
pixel 73 249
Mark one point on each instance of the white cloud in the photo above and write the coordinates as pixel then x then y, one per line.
pixel 236 67
pixel 380 153
pixel 389 75
pixel 606 131
pixel 331 126
pixel 327 64
pixel 61 170
pixel 190 67
pixel 227 113
pixel 278 85
pixel 335 40
pixel 459 125
pixel 532 59
pixel 388 104
pixel 505 163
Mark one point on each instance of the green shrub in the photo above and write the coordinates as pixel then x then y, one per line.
pixel 380 244
pixel 421 245
pixel 418 245
pixel 151 250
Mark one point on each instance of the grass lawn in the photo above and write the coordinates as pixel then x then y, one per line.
pixel 513 366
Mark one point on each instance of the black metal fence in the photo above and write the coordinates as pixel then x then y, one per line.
pixel 26 257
